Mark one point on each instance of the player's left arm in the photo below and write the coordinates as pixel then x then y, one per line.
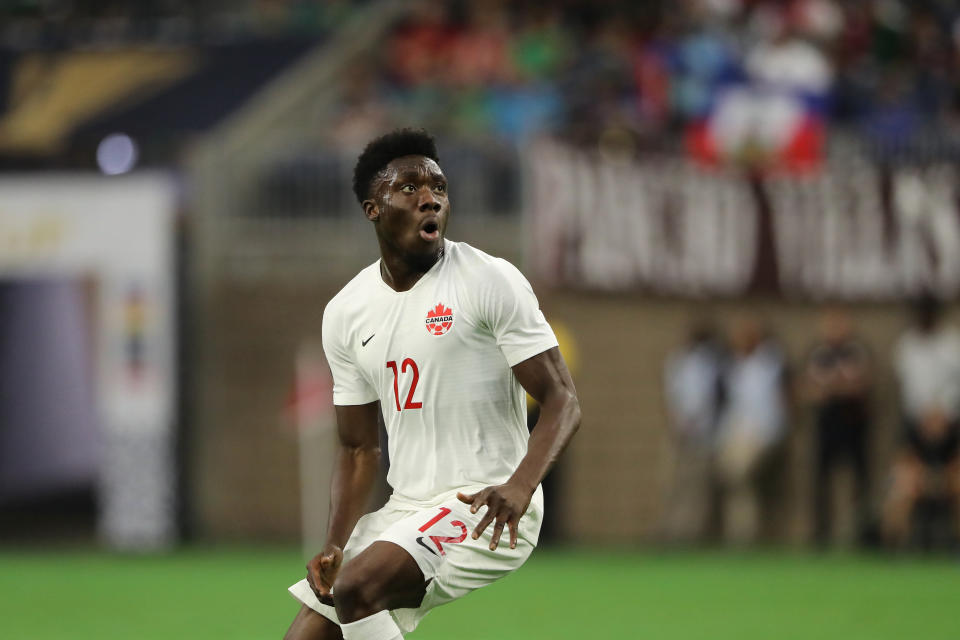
pixel 546 378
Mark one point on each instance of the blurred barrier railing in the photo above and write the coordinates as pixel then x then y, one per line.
pixel 231 168
pixel 316 182
pixel 292 213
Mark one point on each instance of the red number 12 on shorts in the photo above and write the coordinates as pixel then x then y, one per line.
pixel 439 540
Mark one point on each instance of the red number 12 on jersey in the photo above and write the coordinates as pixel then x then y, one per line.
pixel 409 403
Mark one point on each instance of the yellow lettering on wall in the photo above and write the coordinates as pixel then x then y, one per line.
pixel 29 240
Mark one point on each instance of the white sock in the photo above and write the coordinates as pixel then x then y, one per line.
pixel 379 626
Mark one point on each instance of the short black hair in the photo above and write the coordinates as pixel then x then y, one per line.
pixel 381 151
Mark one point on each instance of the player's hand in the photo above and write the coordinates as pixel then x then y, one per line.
pixel 506 503
pixel 322 571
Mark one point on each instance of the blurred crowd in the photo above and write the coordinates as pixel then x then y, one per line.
pixel 738 78
pixel 759 83
pixel 585 68
pixel 90 24
pixel 731 398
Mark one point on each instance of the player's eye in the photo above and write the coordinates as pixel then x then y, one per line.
pixel 440 188
pixel 408 188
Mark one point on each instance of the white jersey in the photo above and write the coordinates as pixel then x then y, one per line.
pixel 438 358
pixel 928 365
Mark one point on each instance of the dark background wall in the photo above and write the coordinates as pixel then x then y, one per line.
pixel 244 456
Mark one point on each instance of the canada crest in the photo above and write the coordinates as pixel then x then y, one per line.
pixel 439 319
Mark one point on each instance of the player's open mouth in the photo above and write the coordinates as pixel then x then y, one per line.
pixel 430 230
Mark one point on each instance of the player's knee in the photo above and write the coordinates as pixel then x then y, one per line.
pixel 310 625
pixel 357 596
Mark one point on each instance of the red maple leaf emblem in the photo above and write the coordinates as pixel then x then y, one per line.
pixel 439 319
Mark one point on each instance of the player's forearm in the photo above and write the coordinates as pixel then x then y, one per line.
pixel 354 473
pixel 559 420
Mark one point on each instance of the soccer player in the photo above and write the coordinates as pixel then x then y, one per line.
pixel 446 338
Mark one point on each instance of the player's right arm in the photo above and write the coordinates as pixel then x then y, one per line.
pixel 354 472
pixel 358 457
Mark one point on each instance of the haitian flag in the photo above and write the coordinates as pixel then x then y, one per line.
pixel 775 119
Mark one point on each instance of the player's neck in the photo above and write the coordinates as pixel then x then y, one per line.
pixel 400 272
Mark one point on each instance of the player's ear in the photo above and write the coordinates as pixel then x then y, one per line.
pixel 371 210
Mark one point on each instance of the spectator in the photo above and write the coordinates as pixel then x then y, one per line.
pixel 752 425
pixel 927 469
pixel 694 396
pixel 838 380
pixel 753 83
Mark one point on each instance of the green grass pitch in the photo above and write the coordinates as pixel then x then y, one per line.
pixel 237 594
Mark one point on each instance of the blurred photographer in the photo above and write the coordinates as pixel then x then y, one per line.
pixel 751 427
pixel 926 471
pixel 693 383
pixel 838 378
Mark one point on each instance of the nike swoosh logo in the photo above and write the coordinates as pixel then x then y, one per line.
pixel 363 343
pixel 424 545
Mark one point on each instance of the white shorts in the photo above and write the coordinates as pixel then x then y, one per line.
pixel 438 537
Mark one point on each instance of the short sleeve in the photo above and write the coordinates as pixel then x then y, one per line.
pixel 511 312
pixel 349 385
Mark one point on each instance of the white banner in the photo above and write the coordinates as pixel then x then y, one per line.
pixel 118 233
pixel 665 225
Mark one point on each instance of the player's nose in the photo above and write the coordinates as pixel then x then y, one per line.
pixel 429 201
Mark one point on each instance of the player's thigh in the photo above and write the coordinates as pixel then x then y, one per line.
pixel 310 625
pixel 382 576
pixel 366 533
pixel 452 562
pixel 469 564
pixel 473 565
